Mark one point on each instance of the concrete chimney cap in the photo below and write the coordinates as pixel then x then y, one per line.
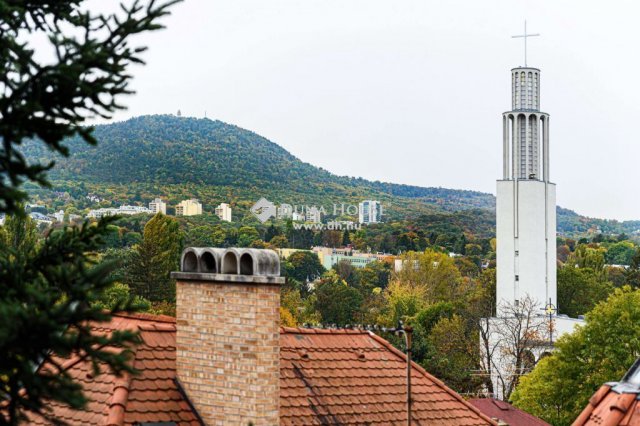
pixel 265 262
pixel 232 261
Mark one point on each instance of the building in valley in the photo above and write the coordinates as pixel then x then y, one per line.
pixel 158 206
pixel 369 211
pixel 191 207
pixel 223 211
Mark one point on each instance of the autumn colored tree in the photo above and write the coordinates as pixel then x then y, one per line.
pixel 436 273
pixel 453 353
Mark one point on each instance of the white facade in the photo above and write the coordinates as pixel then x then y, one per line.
pixel 526 199
pixel 313 214
pixel 223 211
pixel 59 216
pixel 41 218
pixel 124 209
pixel 158 206
pixel 369 211
pixel 503 362
pixel 285 211
pixel 526 241
pixel 299 217
pixel 525 231
pixel 190 207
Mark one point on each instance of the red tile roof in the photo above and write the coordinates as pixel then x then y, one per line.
pixel 326 377
pixel 150 396
pixel 506 412
pixel 615 403
pixel 355 377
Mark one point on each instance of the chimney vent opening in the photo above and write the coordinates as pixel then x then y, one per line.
pixel 208 263
pixel 190 262
pixel 230 263
pixel 246 264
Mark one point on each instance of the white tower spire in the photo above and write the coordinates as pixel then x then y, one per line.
pixel 525 205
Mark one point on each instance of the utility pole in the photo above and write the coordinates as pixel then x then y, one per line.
pixel 407 332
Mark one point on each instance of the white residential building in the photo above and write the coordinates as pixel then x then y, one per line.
pixel 285 211
pixel 297 217
pixel 131 210
pixel 122 210
pixel 370 211
pixel 41 218
pixel 190 207
pixel 223 211
pixel 313 214
pixel 158 206
pixel 59 216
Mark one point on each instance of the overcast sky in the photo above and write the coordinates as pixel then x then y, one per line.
pixel 411 91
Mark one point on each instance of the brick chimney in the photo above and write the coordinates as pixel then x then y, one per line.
pixel 228 334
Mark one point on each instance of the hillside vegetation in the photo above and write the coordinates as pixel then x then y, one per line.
pixel 176 157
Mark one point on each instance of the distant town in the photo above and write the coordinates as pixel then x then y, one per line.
pixel 369 212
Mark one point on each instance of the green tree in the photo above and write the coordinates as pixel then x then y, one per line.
pixel 402 302
pixel 247 235
pixel 579 290
pixel 45 298
pixel 46 310
pixel 602 350
pixel 423 322
pixel 453 354
pixel 435 272
pixel 632 273
pixel 151 261
pixel 589 257
pixel 620 253
pixel 200 236
pixel 346 240
pixel 19 234
pixel 279 241
pixel 116 295
pixel 303 266
pixel 218 236
pixel 336 302
pixel 374 275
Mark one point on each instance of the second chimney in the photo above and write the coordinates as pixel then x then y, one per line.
pixel 228 334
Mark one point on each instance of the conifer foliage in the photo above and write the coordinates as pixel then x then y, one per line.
pixel 46 291
pixel 154 258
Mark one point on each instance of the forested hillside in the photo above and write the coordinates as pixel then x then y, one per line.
pixel 177 157
pixel 215 159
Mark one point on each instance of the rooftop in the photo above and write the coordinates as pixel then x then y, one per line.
pixel 615 403
pixel 506 412
pixel 326 377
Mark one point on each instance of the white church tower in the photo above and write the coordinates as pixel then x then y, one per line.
pixel 526 199
pixel 523 332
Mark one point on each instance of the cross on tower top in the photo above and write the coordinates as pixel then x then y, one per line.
pixel 524 36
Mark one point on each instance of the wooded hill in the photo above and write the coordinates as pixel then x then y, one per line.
pixel 177 157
